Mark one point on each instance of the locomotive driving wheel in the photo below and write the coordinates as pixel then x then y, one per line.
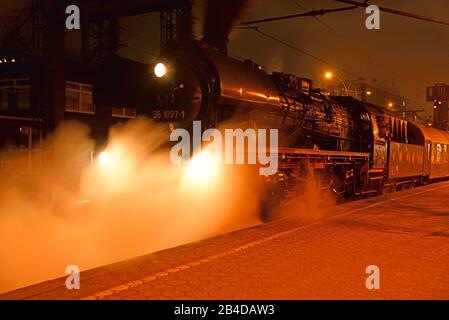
pixel 338 182
pixel 274 190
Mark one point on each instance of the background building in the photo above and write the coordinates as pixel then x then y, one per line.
pixel 439 95
pixel 47 73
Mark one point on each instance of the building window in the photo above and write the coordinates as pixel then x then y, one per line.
pixel 15 94
pixel 124 112
pixel 79 98
pixel 3 99
pixel 30 138
pixel 30 144
pixel 430 94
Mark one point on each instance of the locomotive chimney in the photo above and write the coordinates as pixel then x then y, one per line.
pixel 220 18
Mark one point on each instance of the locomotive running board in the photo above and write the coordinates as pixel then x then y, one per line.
pixel 345 154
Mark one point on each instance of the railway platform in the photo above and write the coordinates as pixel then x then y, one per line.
pixel 405 235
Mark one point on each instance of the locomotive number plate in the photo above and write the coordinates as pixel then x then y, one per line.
pixel 168 115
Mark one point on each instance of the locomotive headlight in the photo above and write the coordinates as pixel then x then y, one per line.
pixel 160 70
pixel 104 159
pixel 202 168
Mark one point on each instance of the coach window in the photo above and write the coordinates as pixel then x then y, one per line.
pixel 395 130
pixel 445 155
pixel 438 150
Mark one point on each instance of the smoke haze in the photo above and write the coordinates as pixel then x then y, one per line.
pixel 84 215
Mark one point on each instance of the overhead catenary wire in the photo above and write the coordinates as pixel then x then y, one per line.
pixel 354 5
pixel 322 61
pixel 299 50
pixel 296 3
pixel 348 42
pixel 315 13
pixel 397 12
pixel 312 13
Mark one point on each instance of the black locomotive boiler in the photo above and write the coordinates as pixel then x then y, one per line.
pixel 201 83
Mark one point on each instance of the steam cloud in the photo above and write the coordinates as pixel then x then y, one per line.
pixel 138 205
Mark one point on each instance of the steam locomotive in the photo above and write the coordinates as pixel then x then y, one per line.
pixel 201 83
pixel 352 147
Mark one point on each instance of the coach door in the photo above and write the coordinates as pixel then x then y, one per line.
pixel 428 158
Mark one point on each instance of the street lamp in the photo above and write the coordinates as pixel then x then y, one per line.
pixel 329 75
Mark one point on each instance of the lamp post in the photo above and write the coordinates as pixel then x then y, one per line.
pixel 329 75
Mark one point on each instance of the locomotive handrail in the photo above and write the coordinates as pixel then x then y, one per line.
pixel 323 152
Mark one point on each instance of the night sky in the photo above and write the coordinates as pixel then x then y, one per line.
pixel 409 52
pixel 413 54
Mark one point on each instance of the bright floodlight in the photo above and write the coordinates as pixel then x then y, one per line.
pixel 160 70
pixel 104 159
pixel 328 75
pixel 202 168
